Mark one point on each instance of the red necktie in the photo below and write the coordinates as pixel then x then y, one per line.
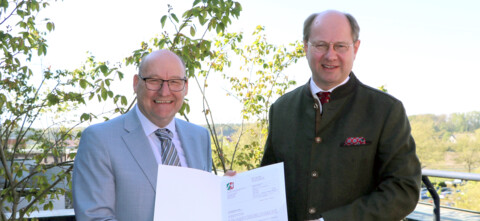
pixel 324 97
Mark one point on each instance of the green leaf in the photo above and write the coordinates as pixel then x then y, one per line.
pixel 72 155
pixel 220 28
pixel 202 20
pixel 175 17
pixel 204 17
pixel 3 100
pixel 40 50
pixel 104 94
pixel 184 109
pixel 238 8
pixel 45 207
pixel 191 72
pixel 124 100
pixel 29 197
pixel 83 83
pixel 196 11
pixel 52 99
pixel 196 2
pixel 85 117
pixel 120 75
pixel 21 13
pixel 50 26
pixel 55 152
pixel 104 69
pixel 162 20
pixel 161 44
pixel 192 31
pixel 4 3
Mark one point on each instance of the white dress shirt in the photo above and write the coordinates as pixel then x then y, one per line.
pixel 149 128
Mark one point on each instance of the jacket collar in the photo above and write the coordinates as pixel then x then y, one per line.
pixel 340 91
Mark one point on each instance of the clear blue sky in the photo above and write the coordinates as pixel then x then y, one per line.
pixel 425 52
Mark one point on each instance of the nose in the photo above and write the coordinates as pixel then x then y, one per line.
pixel 331 54
pixel 164 90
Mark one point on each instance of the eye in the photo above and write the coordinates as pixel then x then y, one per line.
pixel 321 46
pixel 154 81
pixel 175 82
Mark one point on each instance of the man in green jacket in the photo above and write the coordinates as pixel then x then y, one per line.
pixel 347 148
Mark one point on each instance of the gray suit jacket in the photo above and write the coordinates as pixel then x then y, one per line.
pixel 115 170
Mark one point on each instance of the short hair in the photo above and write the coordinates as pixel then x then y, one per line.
pixel 141 66
pixel 354 28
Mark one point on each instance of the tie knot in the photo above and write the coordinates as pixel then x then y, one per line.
pixel 164 133
pixel 324 97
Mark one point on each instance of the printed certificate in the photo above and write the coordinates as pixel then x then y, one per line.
pixel 191 194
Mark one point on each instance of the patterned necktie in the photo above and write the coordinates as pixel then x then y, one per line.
pixel 324 97
pixel 169 153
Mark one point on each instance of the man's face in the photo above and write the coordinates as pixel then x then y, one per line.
pixel 160 106
pixel 330 68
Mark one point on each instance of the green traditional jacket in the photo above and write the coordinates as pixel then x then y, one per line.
pixel 378 179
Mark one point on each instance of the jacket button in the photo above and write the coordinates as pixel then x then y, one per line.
pixel 318 139
pixel 314 174
pixel 312 210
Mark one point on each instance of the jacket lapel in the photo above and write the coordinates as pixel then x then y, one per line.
pixel 187 140
pixel 138 145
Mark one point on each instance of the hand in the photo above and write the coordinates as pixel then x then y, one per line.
pixel 230 173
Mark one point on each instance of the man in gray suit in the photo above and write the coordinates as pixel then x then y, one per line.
pixel 115 173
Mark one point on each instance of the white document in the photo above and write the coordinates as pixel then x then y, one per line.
pixel 190 194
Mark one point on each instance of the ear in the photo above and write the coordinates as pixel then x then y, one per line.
pixel 305 46
pixel 186 88
pixel 356 45
pixel 135 82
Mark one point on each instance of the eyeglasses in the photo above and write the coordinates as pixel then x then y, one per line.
pixel 322 47
pixel 155 84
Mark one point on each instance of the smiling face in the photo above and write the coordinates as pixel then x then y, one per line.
pixel 330 68
pixel 160 106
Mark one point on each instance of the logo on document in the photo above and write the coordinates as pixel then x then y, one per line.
pixel 230 186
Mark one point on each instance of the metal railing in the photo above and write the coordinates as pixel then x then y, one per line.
pixel 443 174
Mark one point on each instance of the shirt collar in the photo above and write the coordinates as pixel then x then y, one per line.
pixel 148 126
pixel 315 89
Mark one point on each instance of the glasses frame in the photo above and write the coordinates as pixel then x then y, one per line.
pixel 335 44
pixel 184 79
